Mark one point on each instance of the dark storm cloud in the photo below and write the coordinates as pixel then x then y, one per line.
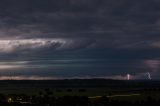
pixel 117 36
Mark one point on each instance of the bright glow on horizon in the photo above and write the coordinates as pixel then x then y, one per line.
pixel 128 76
pixel 149 75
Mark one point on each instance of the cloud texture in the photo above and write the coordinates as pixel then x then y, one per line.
pixel 79 38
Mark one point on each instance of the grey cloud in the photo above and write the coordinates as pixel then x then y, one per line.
pixel 124 32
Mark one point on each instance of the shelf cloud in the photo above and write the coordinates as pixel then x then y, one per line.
pixel 104 38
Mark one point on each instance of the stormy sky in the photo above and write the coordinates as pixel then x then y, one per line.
pixel 55 39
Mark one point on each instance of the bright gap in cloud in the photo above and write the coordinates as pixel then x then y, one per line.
pixel 25 44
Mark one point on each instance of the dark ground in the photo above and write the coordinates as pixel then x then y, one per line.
pixel 88 91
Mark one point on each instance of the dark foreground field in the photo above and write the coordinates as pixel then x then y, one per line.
pixel 88 92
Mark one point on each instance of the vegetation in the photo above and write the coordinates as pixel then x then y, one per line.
pixel 96 92
pixel 50 100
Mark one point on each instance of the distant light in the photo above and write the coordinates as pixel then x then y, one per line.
pixel 149 75
pixel 128 76
pixel 9 99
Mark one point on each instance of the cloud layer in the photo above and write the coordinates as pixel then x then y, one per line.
pixel 78 38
